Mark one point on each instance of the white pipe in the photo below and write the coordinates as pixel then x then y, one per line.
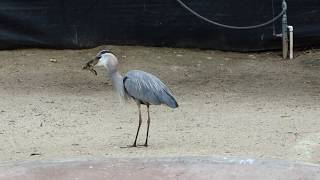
pixel 290 28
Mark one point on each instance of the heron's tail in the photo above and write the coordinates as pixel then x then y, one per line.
pixel 170 101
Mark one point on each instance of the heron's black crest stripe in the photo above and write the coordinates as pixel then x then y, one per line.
pixel 105 51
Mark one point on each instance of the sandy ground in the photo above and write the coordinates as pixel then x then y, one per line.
pixel 231 104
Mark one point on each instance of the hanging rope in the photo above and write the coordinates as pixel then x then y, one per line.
pixel 284 8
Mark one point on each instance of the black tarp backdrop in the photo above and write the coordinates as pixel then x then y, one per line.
pixel 88 23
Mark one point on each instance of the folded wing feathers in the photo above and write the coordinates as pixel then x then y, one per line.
pixel 148 88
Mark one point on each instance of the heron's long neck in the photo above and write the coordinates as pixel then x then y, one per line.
pixel 117 82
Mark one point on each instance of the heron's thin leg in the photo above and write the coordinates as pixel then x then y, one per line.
pixel 140 121
pixel 146 143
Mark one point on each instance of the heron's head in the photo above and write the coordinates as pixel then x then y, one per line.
pixel 103 58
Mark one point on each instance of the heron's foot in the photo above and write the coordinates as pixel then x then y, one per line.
pixel 133 145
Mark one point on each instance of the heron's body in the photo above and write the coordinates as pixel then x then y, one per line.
pixel 141 86
pixel 147 89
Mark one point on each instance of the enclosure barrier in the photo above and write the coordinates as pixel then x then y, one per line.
pixel 285 27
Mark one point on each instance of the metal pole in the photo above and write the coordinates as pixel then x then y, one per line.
pixel 284 32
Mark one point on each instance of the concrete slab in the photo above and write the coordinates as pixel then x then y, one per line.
pixel 199 168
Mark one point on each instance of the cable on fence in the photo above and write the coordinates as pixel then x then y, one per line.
pixel 284 9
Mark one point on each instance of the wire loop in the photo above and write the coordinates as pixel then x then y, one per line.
pixel 284 9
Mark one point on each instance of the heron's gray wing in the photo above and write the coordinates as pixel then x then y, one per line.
pixel 148 89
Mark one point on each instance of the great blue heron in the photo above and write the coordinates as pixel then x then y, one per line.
pixel 141 86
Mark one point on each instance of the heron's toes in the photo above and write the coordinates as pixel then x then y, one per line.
pixel 133 145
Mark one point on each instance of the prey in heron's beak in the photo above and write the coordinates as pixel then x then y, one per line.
pixel 89 66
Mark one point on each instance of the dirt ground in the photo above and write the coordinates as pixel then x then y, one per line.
pixel 231 104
